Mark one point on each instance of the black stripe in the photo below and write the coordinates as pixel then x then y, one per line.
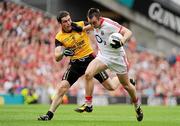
pixel 65 76
pixel 104 75
pixel 57 43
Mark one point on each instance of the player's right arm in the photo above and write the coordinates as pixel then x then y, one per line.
pixel 88 27
pixel 58 50
pixel 126 34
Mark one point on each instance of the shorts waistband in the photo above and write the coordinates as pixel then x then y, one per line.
pixel 81 59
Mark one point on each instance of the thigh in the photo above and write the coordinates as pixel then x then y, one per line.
pixel 95 66
pixel 72 74
pixel 117 64
pixel 102 77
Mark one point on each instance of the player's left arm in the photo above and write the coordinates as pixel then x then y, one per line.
pixel 86 27
pixel 126 33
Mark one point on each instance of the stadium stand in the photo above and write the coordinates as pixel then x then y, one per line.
pixel 27 60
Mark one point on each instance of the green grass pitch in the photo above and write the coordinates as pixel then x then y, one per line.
pixel 112 115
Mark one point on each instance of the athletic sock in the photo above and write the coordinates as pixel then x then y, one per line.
pixel 88 100
pixel 50 114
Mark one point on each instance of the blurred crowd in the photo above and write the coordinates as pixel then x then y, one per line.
pixel 27 58
pixel 27 44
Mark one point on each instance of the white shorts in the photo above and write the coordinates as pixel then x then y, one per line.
pixel 118 64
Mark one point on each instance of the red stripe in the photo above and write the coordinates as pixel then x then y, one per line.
pixel 101 21
pixel 120 29
pixel 126 62
pixel 88 99
pixel 98 47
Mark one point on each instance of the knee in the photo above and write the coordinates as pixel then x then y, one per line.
pixel 88 76
pixel 62 88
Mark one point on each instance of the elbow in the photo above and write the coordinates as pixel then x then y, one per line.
pixel 58 57
pixel 130 33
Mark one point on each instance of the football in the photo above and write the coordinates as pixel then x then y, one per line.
pixel 115 37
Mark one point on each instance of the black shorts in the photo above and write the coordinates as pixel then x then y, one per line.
pixel 78 67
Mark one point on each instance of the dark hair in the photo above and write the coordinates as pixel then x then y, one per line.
pixel 61 14
pixel 93 12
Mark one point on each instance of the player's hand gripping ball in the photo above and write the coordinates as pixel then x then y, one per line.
pixel 115 40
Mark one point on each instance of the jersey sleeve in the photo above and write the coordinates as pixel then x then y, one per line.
pixel 57 43
pixel 86 23
pixel 58 40
pixel 80 23
pixel 58 36
pixel 115 27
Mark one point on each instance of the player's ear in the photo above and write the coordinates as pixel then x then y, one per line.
pixel 88 19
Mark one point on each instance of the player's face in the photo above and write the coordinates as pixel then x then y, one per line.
pixel 94 21
pixel 66 23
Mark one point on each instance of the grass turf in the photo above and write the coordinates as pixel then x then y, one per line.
pixel 112 115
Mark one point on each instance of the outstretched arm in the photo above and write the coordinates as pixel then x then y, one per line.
pixel 87 27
